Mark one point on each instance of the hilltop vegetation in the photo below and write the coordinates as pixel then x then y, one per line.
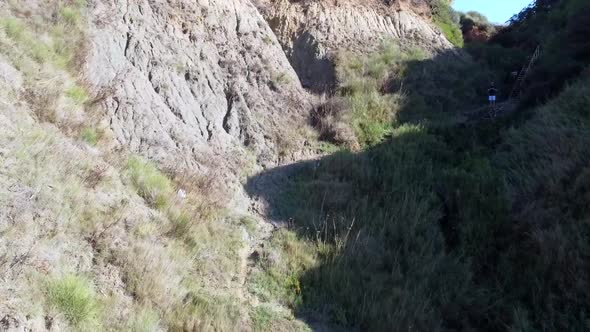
pixel 560 28
pixel 447 19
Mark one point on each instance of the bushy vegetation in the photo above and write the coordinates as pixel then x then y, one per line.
pixel 438 227
pixel 378 92
pixel 73 297
pixel 66 46
pixel 549 190
pixel 447 19
pixel 362 113
pixel 78 94
pixel 561 29
pixel 150 183
pixel 473 19
pixel 432 230
pixel 90 136
pixel 476 27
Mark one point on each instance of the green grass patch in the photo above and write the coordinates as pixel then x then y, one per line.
pixel 78 94
pixel 90 136
pixel 150 183
pixel 14 28
pixel 262 318
pixel 61 42
pixel 282 261
pixel 206 312
pixel 326 147
pixel 447 19
pixel 372 112
pixel 75 298
pixel 451 31
pixel 146 320
pixel 19 32
pixel 71 15
pixel 251 224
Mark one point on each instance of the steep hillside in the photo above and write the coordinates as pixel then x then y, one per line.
pixel 162 168
pixel 194 84
pixel 126 128
pixel 312 32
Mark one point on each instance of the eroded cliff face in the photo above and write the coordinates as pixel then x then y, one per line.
pixel 311 32
pixel 193 83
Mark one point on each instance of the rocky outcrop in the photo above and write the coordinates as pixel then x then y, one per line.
pixel 193 83
pixel 311 32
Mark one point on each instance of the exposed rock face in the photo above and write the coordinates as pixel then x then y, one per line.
pixel 312 31
pixel 192 82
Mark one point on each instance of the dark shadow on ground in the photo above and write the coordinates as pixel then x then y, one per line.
pixel 445 87
pixel 383 222
pixel 387 225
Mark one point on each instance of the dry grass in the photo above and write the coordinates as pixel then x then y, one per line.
pixel 78 213
pixel 86 208
pixel 49 50
pixel 332 118
pixel 49 215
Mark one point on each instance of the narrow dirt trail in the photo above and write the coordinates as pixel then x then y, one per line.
pixel 484 113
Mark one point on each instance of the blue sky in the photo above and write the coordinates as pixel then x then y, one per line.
pixel 498 11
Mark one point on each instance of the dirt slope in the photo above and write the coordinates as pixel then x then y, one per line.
pixel 312 32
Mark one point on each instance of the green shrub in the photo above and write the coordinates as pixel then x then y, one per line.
pixel 451 31
pixel 205 312
pixel 448 21
pixel 74 297
pixel 146 320
pixel 150 183
pixel 78 94
pixel 14 28
pixel 90 136
pixel 262 318
pixel 362 80
pixel 71 15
